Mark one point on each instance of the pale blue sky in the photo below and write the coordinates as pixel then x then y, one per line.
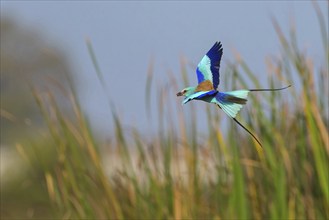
pixel 126 34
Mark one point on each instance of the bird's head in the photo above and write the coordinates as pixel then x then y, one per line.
pixel 186 92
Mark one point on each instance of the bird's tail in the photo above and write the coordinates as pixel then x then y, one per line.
pixel 232 102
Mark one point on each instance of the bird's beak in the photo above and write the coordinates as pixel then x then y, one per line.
pixel 179 94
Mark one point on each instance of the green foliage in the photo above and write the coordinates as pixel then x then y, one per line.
pixel 183 174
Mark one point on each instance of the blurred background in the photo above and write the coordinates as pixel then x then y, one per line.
pixel 128 35
pixel 121 64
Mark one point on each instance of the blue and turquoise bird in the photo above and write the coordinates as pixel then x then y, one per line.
pixel 208 81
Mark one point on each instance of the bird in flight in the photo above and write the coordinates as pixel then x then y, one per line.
pixel 207 73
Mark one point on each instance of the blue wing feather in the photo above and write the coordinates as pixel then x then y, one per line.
pixel 199 75
pixel 215 55
pixel 208 68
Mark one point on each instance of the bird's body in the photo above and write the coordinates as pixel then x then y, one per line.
pixel 208 81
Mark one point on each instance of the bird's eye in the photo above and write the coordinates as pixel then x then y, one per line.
pixel 184 91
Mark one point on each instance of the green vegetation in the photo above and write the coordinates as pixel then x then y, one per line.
pixel 181 173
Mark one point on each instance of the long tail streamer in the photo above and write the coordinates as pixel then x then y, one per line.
pixel 255 90
pixel 248 131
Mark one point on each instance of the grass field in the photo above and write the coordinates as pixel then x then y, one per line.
pixel 180 173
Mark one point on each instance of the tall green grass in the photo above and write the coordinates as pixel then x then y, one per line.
pixel 183 174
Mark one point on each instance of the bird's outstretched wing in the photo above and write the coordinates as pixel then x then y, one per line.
pixel 208 68
pixel 231 102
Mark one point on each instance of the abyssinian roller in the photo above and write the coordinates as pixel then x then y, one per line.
pixel 208 81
